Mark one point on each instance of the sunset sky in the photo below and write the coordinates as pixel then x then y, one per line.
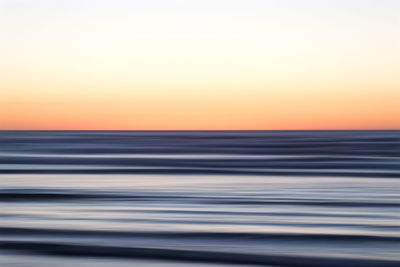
pixel 199 65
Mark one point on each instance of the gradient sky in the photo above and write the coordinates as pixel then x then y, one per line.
pixel 199 65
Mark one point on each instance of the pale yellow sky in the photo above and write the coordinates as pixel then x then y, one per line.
pixel 200 64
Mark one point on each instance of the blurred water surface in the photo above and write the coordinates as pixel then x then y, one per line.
pixel 275 198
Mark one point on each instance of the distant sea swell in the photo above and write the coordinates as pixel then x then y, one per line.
pixel 338 153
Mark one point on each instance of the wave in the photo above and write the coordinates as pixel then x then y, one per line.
pixel 239 236
pixel 205 171
pixel 62 195
pixel 237 211
pixel 65 249
pixel 303 153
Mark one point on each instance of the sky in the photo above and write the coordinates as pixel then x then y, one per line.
pixel 199 64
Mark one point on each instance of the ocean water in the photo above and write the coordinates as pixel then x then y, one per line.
pixel 273 198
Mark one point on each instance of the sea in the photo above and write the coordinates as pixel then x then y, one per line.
pixel 199 198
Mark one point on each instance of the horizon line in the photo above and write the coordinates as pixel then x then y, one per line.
pixel 183 130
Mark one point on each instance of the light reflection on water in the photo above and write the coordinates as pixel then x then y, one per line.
pixel 324 217
pixel 271 198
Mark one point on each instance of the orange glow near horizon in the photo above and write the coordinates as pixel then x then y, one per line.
pixel 308 110
pixel 207 65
